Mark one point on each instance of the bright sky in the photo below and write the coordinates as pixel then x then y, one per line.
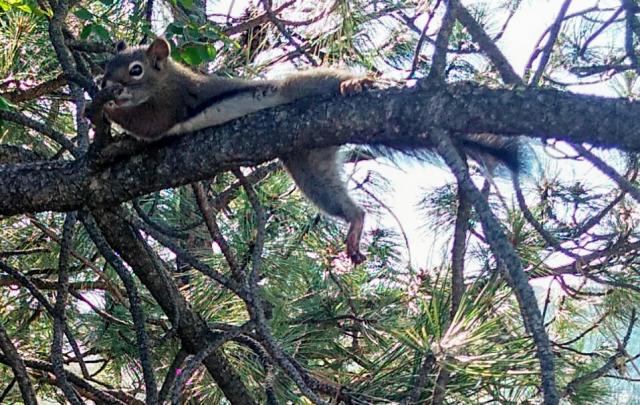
pixel 517 43
pixel 409 184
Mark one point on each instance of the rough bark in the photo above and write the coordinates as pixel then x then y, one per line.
pixel 192 330
pixel 392 116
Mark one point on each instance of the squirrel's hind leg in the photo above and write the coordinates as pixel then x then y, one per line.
pixel 317 172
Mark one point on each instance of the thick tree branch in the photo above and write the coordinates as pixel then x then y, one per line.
pixel 192 330
pixel 392 116
pixel 11 154
pixel 509 260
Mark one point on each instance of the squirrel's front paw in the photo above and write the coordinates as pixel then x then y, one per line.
pixel 355 86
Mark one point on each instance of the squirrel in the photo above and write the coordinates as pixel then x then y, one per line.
pixel 157 97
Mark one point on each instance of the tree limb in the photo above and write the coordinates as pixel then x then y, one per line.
pixel 192 330
pixel 509 260
pixel 392 116
pixel 17 365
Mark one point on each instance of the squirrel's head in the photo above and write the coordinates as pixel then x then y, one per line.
pixel 139 70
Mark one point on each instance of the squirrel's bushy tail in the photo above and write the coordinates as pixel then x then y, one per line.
pixel 492 151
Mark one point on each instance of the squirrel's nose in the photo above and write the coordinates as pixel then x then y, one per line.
pixel 111 83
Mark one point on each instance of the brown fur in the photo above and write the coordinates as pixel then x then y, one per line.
pixel 167 94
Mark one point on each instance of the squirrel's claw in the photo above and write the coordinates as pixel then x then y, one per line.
pixel 354 86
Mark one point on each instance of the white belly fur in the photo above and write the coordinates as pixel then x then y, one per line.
pixel 230 109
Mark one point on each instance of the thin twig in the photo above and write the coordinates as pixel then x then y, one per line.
pixel 584 332
pixel 189 259
pixel 283 30
pixel 609 171
pixel 214 230
pixel 458 251
pixel 57 361
pixel 255 303
pixel 129 243
pixel 193 363
pixel 423 36
pixel 489 47
pixel 599 31
pixel 56 24
pixel 261 222
pixel 621 353
pixel 87 46
pixel 114 290
pixel 103 314
pixel 631 27
pixel 546 52
pixel 266 362
pixel 110 397
pixel 7 389
pixel 58 137
pixel 279 356
pixel 426 366
pixel 439 60
pixel 548 238
pixel 42 300
pixel 181 232
pixel 17 365
pixel 37 91
pixel 172 373
pixel 256 21
pixel 148 13
pixel 135 307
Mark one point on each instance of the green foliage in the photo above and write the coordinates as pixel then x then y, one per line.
pixel 5 104
pixel 368 329
pixel 29 6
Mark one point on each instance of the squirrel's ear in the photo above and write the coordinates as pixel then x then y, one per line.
pixel 158 51
pixel 121 46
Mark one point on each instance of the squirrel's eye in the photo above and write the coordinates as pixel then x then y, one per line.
pixel 135 71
